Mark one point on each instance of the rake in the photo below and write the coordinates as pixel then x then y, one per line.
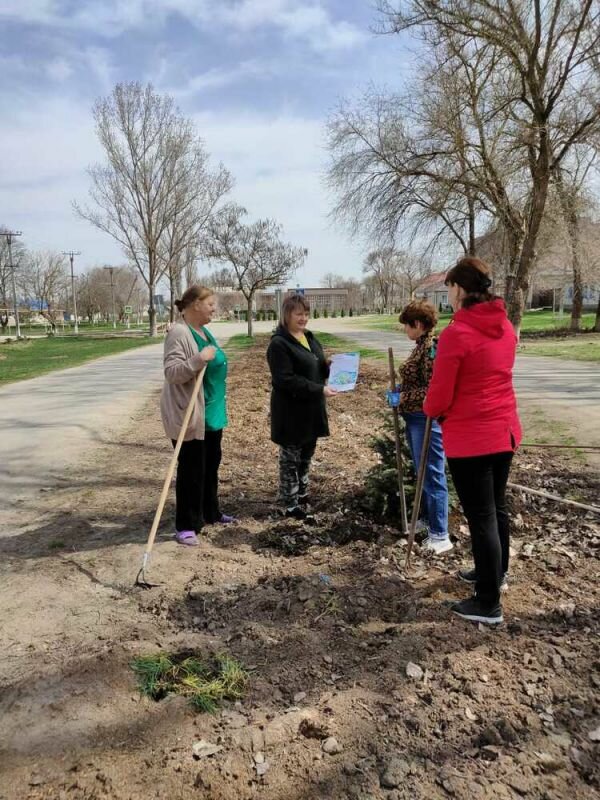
pixel 141 579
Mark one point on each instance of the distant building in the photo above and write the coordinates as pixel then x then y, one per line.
pixel 433 289
pixel 323 298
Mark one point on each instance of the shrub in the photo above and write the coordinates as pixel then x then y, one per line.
pixel 325 313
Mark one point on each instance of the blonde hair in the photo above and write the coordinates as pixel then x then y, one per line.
pixel 193 293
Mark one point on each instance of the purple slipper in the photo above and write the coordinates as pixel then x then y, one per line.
pixel 187 537
pixel 225 519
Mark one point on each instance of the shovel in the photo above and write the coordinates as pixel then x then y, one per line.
pixel 141 580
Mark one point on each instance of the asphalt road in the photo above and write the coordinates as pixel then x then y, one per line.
pixel 48 423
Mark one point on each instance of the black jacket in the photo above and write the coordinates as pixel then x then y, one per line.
pixel 298 413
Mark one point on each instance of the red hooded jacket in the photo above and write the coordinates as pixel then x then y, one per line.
pixel 471 390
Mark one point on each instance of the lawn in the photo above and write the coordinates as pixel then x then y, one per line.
pixel 578 348
pixel 32 357
pixel 241 342
pixel 533 321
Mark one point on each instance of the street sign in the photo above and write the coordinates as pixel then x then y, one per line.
pixel 128 309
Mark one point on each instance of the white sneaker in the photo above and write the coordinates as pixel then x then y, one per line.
pixel 438 546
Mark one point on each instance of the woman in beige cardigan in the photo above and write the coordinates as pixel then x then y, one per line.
pixel 189 348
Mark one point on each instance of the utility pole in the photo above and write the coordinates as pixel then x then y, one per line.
pixel 72 254
pixel 8 235
pixel 112 291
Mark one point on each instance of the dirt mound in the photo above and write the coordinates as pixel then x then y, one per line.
pixel 362 686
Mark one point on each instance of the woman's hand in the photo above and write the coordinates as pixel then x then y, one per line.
pixel 208 353
pixel 329 392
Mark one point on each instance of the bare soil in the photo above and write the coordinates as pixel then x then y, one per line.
pixel 323 615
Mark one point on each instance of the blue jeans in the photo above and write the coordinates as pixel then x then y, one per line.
pixel 434 503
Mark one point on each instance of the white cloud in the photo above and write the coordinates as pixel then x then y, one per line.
pixel 296 19
pixel 278 163
pixel 219 77
pixel 59 69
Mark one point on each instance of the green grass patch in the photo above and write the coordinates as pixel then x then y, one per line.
pixel 333 342
pixel 204 684
pixel 31 357
pixel 241 342
pixel 578 348
pixel 533 321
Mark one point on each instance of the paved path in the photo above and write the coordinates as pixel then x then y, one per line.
pixel 566 391
pixel 47 423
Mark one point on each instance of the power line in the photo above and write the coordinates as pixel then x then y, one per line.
pixel 112 291
pixel 72 254
pixel 8 235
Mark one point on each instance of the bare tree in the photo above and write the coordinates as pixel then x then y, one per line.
pixel 199 193
pixel 546 95
pixel 154 192
pixel 44 283
pixel 256 255
pixel 331 280
pixel 383 266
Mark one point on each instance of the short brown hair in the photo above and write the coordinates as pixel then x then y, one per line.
pixel 195 292
pixel 419 311
pixel 475 277
pixel 291 303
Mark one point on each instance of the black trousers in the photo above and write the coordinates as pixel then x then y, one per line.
pixel 197 482
pixel 480 483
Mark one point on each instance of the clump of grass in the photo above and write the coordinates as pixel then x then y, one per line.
pixel 56 544
pixel 204 684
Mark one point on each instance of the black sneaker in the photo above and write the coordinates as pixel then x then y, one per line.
pixel 295 513
pixel 476 611
pixel 303 500
pixel 470 576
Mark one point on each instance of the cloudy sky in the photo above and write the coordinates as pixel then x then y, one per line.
pixel 259 77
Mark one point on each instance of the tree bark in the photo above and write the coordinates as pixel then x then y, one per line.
pixel 249 300
pixel 151 311
pixel 597 322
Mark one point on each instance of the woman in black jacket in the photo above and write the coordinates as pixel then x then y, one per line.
pixel 298 414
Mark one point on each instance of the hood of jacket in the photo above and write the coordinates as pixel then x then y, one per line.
pixel 488 318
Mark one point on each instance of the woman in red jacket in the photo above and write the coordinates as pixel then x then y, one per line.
pixel 471 394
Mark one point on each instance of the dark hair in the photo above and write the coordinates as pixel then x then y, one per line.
pixel 419 311
pixel 195 292
pixel 291 303
pixel 475 277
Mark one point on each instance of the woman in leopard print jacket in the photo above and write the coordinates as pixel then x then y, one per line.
pixel 419 319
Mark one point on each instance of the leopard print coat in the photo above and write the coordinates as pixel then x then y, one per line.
pixel 416 372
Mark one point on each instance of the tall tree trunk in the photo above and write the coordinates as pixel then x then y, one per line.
pixel 172 290
pixel 568 201
pixel 249 299
pixel 520 285
pixel 472 245
pixel 597 321
pixel 151 311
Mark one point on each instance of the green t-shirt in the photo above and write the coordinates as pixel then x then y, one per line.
pixel 215 413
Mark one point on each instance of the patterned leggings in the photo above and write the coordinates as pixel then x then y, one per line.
pixel 294 463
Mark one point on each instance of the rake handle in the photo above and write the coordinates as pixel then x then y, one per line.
pixel 419 489
pixel 169 476
pixel 399 465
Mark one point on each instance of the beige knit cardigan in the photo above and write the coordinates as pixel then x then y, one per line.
pixel 182 362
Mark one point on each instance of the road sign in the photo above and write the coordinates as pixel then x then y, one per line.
pixel 128 309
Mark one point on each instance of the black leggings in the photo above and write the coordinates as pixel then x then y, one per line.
pixel 480 483
pixel 197 482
